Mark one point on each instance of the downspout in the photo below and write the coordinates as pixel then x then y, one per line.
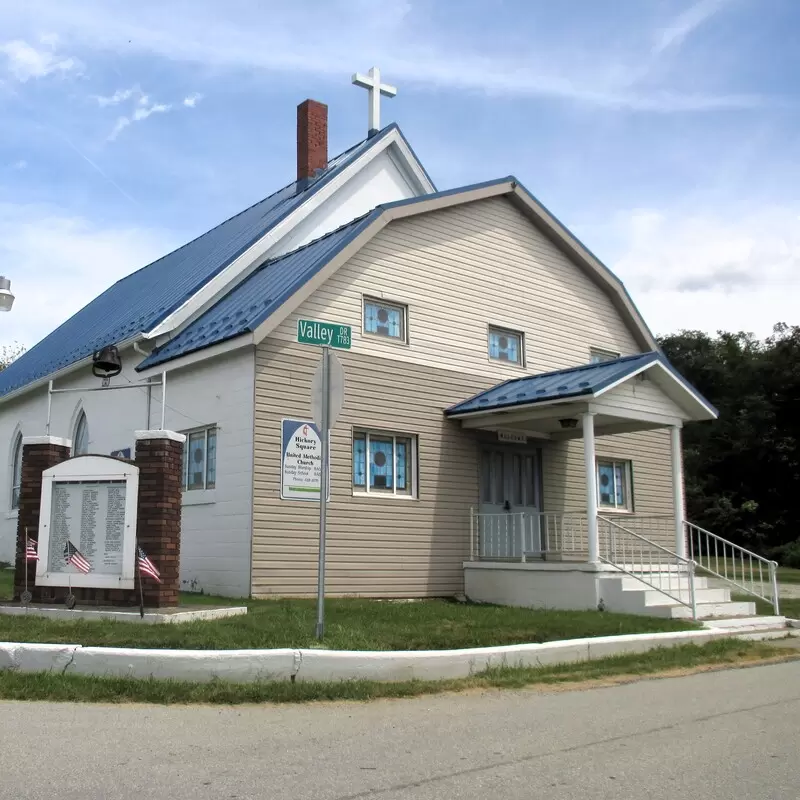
pixel 142 352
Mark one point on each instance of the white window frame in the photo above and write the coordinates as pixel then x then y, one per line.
pixel 505 332
pixel 627 472
pixel 185 464
pixel 411 465
pixel 16 470
pixel 602 355
pixel 401 307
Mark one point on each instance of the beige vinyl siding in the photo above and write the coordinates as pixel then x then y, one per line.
pixel 460 270
pixel 376 546
pixel 637 395
pixel 564 485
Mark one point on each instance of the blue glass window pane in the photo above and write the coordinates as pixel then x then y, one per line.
pixel 359 461
pixel 401 466
pixel 605 480
pixel 211 464
pixel 504 346
pixel 619 485
pixel 197 460
pixel 383 320
pixel 381 464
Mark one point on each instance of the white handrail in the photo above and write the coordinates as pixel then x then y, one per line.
pixel 649 562
pixel 724 559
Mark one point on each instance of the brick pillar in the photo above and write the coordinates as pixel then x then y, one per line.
pixel 159 456
pixel 38 454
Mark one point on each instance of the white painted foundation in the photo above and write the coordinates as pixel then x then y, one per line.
pixel 165 616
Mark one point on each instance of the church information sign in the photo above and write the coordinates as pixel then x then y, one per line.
pixel 90 502
pixel 301 460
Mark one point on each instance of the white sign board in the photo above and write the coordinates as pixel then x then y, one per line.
pixel 301 460
pixel 514 438
pixel 90 502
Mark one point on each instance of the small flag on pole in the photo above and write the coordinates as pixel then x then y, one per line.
pixel 74 556
pixel 30 551
pixel 147 567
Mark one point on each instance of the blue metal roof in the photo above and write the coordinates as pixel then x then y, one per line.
pixel 140 301
pixel 246 306
pixel 561 385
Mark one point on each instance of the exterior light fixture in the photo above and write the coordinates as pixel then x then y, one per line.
pixel 6 297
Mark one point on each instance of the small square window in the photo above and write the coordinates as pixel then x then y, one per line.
pixel 505 345
pixel 614 485
pixel 597 356
pixel 384 463
pixel 200 459
pixel 385 319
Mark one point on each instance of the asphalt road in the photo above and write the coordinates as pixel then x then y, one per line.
pixel 731 735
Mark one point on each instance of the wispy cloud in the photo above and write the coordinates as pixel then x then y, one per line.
pixel 682 26
pixel 192 100
pixel 264 37
pixel 119 97
pixel 139 115
pixel 24 61
pixel 20 165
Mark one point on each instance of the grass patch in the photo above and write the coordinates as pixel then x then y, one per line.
pixel 47 686
pixel 789 606
pixel 6 583
pixel 784 574
pixel 350 625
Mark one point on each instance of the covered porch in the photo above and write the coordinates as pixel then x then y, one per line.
pixel 595 550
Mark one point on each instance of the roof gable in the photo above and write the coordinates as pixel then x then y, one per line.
pixel 138 303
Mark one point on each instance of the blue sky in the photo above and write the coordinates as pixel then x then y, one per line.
pixel 664 133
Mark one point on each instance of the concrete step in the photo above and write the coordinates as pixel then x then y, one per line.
pixel 707 611
pixel 764 623
pixel 663 581
pixel 652 597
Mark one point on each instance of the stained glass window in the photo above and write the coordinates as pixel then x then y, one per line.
pixel 200 459
pixel 385 319
pixel 388 461
pixel 505 346
pixel 80 446
pixel 613 484
pixel 601 356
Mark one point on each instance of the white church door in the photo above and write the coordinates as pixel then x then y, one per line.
pixel 510 489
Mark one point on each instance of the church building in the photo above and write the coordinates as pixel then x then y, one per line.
pixel 504 400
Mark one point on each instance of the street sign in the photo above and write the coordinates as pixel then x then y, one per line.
pixel 326 334
pixel 335 391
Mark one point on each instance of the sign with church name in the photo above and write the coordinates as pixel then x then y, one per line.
pixel 301 460
pixel 89 505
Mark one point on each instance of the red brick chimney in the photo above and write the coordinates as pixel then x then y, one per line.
pixel 312 138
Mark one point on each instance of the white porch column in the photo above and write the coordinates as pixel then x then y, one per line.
pixel 591 485
pixel 677 489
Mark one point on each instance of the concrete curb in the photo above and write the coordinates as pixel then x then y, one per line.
pixel 247 666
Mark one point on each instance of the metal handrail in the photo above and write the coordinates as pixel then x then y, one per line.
pixel 733 553
pixel 648 558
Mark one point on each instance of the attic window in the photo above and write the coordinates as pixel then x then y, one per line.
pixel 506 345
pixel 598 356
pixel 385 319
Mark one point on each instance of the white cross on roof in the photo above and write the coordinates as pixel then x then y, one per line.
pixel 372 83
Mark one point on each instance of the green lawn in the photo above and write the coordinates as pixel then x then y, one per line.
pixel 6 583
pixel 350 625
pixel 785 574
pixel 47 686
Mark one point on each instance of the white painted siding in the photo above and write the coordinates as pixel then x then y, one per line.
pixel 215 547
pixel 381 181
pixel 460 270
pixel 644 396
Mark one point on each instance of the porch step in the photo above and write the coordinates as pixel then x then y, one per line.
pixel 754 622
pixel 673 582
pixel 652 597
pixel 713 610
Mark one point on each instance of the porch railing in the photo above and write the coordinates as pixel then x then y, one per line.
pixel 517 536
pixel 740 568
pixel 650 563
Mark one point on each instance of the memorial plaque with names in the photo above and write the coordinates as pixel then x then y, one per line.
pixel 90 502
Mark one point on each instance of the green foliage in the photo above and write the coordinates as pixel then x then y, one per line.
pixel 10 352
pixel 743 470
pixel 350 625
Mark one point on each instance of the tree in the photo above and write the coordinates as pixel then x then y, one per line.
pixel 10 352
pixel 743 470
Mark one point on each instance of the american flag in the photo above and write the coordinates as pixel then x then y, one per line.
pixel 147 567
pixel 74 556
pixel 30 551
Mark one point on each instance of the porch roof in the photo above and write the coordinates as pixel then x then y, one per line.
pixel 585 383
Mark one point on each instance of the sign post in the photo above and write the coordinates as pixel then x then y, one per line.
pixel 327 397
